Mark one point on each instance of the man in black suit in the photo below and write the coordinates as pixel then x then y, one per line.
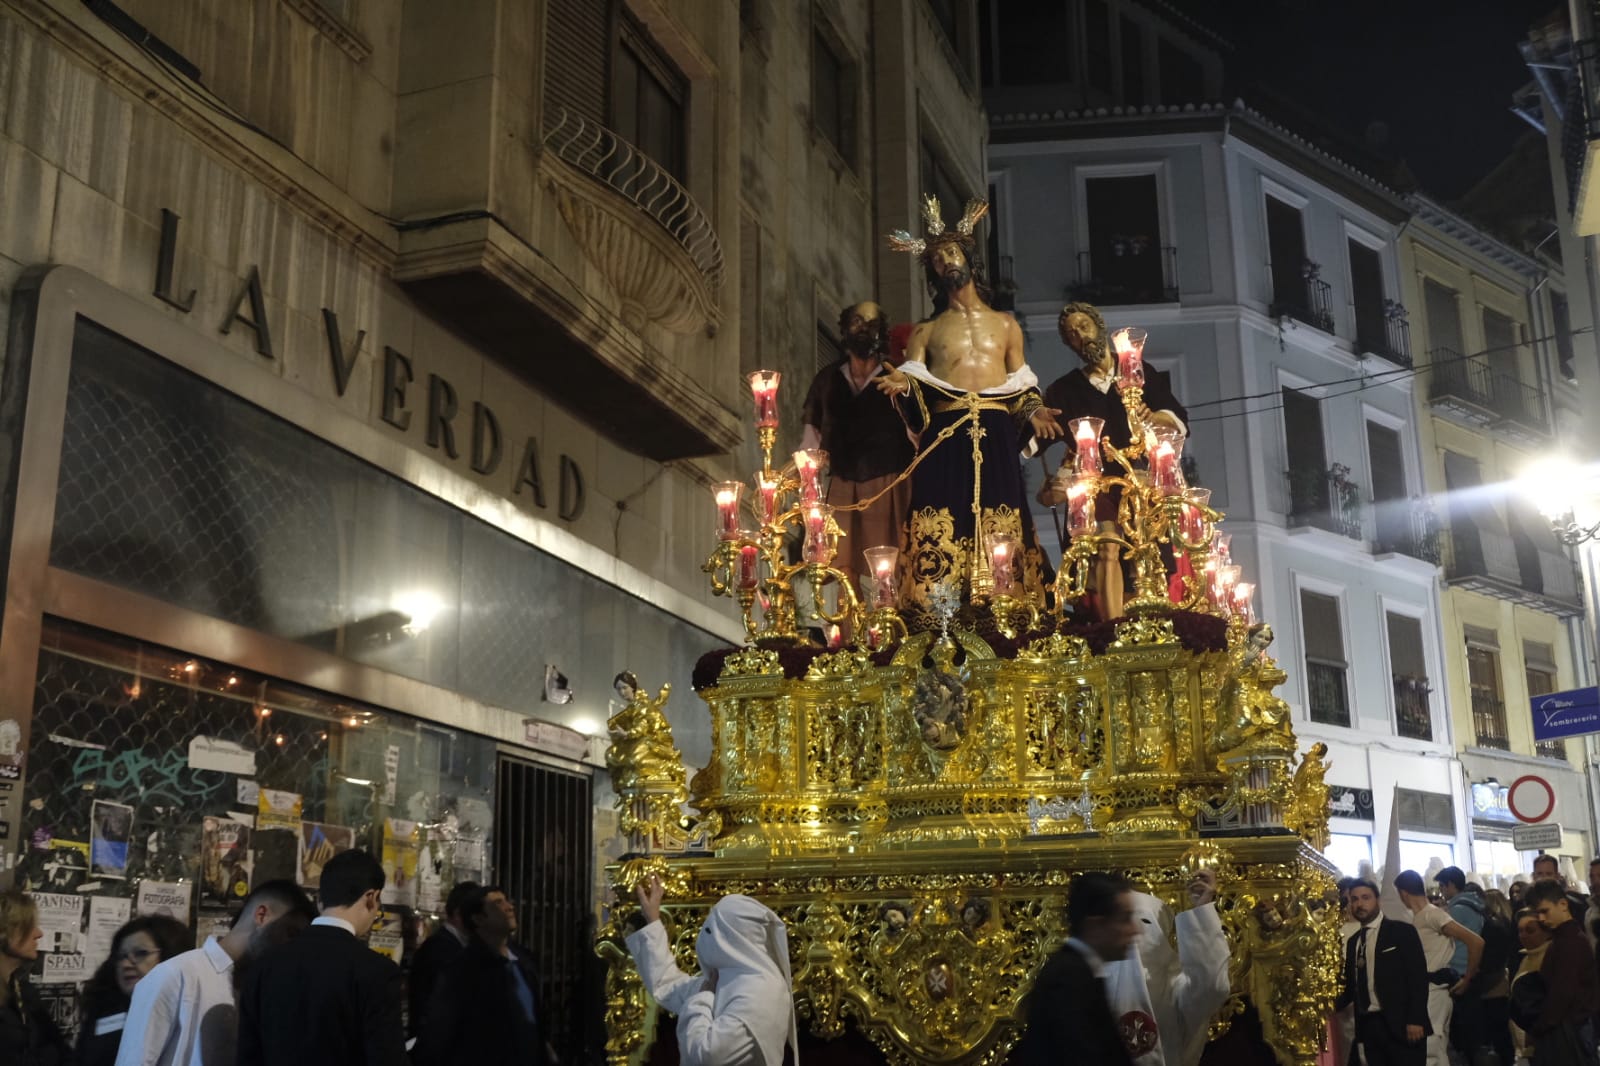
pixel 1386 979
pixel 435 955
pixel 325 998
pixel 486 1007
pixel 1067 1014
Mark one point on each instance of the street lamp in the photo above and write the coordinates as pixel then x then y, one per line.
pixel 1553 485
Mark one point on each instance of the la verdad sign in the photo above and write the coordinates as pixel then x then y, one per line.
pixel 1572 713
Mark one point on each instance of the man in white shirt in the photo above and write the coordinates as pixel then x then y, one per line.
pixel 1438 933
pixel 183 1011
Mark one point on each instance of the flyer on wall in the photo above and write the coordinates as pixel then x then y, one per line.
pixel 111 827
pixel 399 862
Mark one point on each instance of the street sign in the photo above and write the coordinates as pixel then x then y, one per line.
pixel 1531 798
pixel 1536 837
pixel 1572 713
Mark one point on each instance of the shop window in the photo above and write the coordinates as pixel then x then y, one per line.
pixel 1425 855
pixel 833 97
pixel 1348 852
pixel 1488 705
pixel 1325 662
pixel 649 98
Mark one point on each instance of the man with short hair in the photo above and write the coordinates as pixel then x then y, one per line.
pixel 1547 867
pixel 1564 1030
pixel 183 1011
pixel 486 1007
pixel 325 998
pixel 435 955
pixel 1591 915
pixel 1466 909
pixel 1068 1015
pixel 1437 930
pixel 1386 980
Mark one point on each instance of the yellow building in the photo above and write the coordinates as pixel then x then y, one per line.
pixel 1495 390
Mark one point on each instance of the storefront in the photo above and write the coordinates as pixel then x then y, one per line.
pixel 245 629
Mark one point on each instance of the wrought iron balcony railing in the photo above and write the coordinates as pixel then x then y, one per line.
pixel 1326 499
pixel 1409 527
pixel 1325 686
pixel 1489 720
pixel 1551 749
pixel 1470 386
pixel 597 151
pixel 1412 712
pixel 1310 302
pixel 1390 338
pixel 1131 278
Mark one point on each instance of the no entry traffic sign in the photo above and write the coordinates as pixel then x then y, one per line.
pixel 1531 798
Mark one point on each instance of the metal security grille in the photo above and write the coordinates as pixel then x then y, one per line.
pixel 542 850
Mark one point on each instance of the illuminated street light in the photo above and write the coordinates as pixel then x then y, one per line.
pixel 1555 486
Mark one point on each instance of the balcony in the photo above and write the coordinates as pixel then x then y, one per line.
pixel 1392 341
pixel 1551 749
pixel 1484 559
pixel 1311 302
pixel 1129 276
pixel 1489 720
pixel 1325 499
pixel 1408 527
pixel 1413 714
pixel 1580 140
pixel 1325 686
pixel 1469 390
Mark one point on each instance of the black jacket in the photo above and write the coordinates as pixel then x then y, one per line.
pixel 475 1016
pixel 1069 1018
pixel 1401 976
pixel 432 959
pixel 322 999
pixel 28 1036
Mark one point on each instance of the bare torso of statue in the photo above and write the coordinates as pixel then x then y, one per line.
pixel 970 345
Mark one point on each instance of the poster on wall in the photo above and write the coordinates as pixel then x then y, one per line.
pixel 224 859
pixel 111 827
pixel 60 917
pixel 106 915
pixel 318 844
pixel 276 841
pixel 168 898
pixel 399 862
pixel 387 936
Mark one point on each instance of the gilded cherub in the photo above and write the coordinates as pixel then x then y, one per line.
pixel 642 758
pixel 1308 809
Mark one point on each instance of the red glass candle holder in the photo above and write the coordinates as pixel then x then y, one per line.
pixel 1086 438
pixel 764 392
pixel 1128 343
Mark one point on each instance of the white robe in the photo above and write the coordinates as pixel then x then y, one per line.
pixel 1175 994
pixel 748 1016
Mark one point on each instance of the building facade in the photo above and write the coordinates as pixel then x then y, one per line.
pixel 1267 273
pixel 366 366
pixel 1493 399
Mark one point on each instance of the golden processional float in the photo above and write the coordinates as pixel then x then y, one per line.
pixel 915 805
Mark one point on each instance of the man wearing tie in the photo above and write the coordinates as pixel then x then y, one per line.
pixel 1068 1013
pixel 1386 979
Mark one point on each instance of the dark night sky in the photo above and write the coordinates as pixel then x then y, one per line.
pixel 1439 73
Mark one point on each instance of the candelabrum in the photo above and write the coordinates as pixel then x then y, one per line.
pixel 1154 509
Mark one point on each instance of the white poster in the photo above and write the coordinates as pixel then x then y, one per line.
pixel 223 756
pixel 391 772
pixel 106 915
pixel 64 968
pixel 170 898
pixel 61 918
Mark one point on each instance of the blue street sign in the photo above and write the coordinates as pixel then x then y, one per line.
pixel 1566 714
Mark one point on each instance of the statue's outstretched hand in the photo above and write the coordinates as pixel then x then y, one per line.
pixel 1045 426
pixel 651 893
pixel 894 383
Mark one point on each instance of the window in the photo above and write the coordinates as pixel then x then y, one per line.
pixel 1366 295
pixel 1348 851
pixel 1183 81
pixel 1097 39
pixel 939 182
pixel 1132 62
pixel 833 98
pixel 649 97
pixel 1408 668
pixel 1325 665
pixel 950 16
pixel 578 44
pixel 1500 343
pixel 1308 462
pixel 1389 489
pixel 1424 812
pixel 1125 253
pixel 1419 855
pixel 1443 309
pixel 1483 678
pixel 1539 661
pixel 1286 245
pixel 1031 43
pixel 1561 326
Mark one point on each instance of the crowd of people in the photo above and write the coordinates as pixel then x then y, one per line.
pixel 289 984
pixel 1469 975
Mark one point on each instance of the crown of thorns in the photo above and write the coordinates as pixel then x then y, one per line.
pixel 933 222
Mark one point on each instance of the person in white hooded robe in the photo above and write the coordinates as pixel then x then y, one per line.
pixel 1164 1000
pixel 739 1009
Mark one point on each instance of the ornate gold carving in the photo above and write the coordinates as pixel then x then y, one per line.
pixel 646 771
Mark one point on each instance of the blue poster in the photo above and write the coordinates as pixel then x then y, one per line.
pixel 1566 714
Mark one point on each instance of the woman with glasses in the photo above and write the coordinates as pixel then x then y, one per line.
pixel 135 950
pixel 27 1035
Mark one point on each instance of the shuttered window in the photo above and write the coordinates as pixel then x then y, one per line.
pixel 1444 316
pixel 1326 687
pixel 577 58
